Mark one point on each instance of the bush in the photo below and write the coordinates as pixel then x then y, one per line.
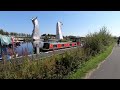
pixel 58 66
pixel 97 42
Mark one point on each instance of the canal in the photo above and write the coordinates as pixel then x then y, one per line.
pixel 28 46
pixel 23 47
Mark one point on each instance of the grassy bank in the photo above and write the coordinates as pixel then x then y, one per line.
pixel 91 64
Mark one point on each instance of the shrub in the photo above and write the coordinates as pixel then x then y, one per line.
pixel 57 66
pixel 96 42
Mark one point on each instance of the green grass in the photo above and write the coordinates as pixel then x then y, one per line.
pixel 90 64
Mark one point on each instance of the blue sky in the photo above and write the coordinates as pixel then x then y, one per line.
pixel 78 23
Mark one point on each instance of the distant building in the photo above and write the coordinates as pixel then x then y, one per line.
pixel 49 36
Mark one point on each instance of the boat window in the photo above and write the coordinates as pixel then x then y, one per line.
pixel 55 46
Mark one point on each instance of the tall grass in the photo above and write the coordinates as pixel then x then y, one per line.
pixel 58 66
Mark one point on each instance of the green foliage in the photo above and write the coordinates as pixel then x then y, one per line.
pixel 97 42
pixel 91 64
pixel 64 40
pixel 58 66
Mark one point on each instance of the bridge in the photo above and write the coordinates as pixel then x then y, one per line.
pixel 21 38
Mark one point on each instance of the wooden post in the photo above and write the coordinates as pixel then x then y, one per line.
pixel 13 48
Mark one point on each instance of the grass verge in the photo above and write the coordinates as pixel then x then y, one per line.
pixel 91 64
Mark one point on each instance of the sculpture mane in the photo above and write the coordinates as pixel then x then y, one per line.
pixel 35 32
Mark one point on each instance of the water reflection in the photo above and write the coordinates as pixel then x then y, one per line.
pixel 29 46
pixel 24 45
pixel 38 44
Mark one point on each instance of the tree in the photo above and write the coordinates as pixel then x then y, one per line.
pixel 15 34
pixel 7 33
pixel 22 34
pixel 30 35
pixel 43 35
pixel 1 31
pixel 46 38
pixel 19 34
pixel 11 33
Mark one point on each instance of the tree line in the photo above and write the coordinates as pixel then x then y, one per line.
pixel 2 32
pixel 14 34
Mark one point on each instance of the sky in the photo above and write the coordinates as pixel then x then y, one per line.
pixel 77 23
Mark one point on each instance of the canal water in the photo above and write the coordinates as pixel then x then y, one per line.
pixel 23 47
pixel 29 47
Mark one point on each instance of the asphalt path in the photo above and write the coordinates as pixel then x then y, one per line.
pixel 110 68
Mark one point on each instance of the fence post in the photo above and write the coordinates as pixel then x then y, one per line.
pixel 37 49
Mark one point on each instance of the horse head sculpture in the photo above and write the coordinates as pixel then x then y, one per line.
pixel 35 33
pixel 35 21
pixel 58 31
